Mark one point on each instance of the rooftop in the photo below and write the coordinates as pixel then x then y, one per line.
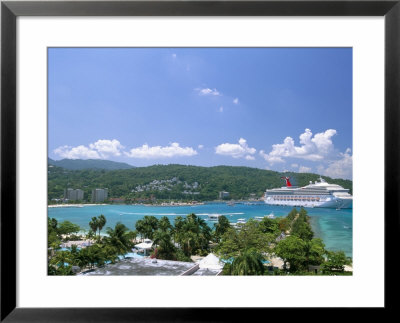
pixel 150 267
pixel 143 267
pixel 206 272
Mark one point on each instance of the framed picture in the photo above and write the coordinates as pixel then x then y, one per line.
pixel 48 48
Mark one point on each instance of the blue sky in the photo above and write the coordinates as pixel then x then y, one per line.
pixel 270 108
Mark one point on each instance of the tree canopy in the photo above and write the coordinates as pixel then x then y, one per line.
pixel 240 182
pixel 244 247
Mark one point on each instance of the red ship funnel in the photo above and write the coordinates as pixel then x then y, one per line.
pixel 288 184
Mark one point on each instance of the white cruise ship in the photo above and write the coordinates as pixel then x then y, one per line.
pixel 319 194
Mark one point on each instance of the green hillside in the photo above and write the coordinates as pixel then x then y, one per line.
pixel 176 181
pixel 78 164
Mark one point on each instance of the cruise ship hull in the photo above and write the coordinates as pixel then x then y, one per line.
pixel 319 194
pixel 333 202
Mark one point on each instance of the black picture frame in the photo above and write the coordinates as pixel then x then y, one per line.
pixel 10 10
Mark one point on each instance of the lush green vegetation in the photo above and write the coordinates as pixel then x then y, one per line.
pixel 105 249
pixel 247 263
pixel 79 164
pixel 240 182
pixel 246 248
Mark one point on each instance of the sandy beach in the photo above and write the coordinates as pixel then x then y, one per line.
pixel 72 205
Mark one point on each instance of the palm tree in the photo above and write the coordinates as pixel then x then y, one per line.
pixel 194 234
pixel 189 243
pixel 110 253
pixel 82 258
pixel 101 222
pixel 94 224
pixel 204 234
pixel 164 224
pixel 94 255
pixel 150 224
pixel 247 263
pixel 165 249
pixel 178 229
pixel 119 238
pixel 140 228
pixel 61 258
pixel 221 227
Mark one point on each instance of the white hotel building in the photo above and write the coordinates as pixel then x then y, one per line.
pixel 73 195
pixel 99 195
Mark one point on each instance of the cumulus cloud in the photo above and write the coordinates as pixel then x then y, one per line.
pixel 240 150
pixel 271 159
pixel 311 148
pixel 341 168
pixel 107 147
pixel 173 150
pixel 208 92
pixel 76 152
pixel 304 169
pixel 236 101
pixel 100 149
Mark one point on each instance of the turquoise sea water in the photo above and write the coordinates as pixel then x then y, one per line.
pixel 333 226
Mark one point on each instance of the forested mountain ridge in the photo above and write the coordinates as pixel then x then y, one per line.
pixel 176 182
pixel 79 164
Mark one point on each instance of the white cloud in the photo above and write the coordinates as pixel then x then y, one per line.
pixel 294 165
pixel 236 101
pixel 236 150
pixel 271 159
pixel 100 149
pixel 79 152
pixel 173 150
pixel 173 55
pixel 312 148
pixel 200 146
pixel 304 169
pixel 341 168
pixel 221 109
pixel 107 148
pixel 208 91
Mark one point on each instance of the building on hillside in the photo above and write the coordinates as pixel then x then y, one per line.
pixel 73 195
pixel 99 195
pixel 223 195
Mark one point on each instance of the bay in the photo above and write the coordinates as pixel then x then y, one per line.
pixel 334 227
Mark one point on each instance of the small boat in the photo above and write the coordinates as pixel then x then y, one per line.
pixel 213 217
pixel 270 216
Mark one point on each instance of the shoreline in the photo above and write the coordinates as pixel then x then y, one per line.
pixel 72 205
pixel 163 204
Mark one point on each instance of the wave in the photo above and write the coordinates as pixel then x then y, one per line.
pixel 239 213
pixel 177 214
pixel 147 213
